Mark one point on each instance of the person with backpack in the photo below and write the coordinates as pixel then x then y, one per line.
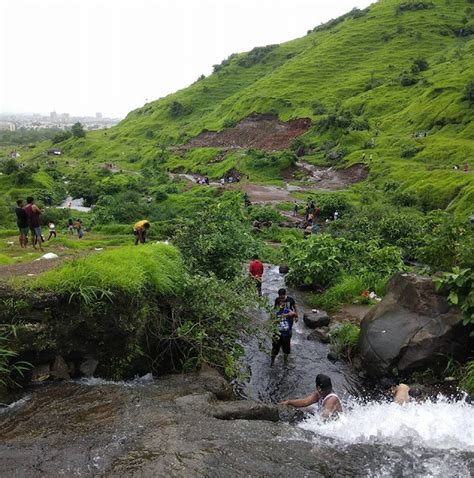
pixel 285 318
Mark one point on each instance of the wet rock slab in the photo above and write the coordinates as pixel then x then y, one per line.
pixel 174 426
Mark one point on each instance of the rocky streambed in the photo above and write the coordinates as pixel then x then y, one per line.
pixel 193 425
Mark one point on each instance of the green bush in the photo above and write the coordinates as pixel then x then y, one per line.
pixel 460 284
pixel 264 214
pixel 320 260
pixel 467 381
pixel 7 355
pixel 133 271
pixel 344 339
pixel 215 240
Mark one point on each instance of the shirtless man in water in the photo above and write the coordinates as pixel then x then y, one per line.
pixel 399 392
pixel 329 403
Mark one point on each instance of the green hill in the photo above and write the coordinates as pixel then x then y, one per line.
pixel 394 81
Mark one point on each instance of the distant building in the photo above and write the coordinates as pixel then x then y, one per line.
pixel 98 115
pixel 7 126
pixel 53 116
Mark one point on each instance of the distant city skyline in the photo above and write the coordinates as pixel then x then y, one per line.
pixel 112 56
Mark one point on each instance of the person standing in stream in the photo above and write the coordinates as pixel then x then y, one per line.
pixel 289 301
pixel 329 403
pixel 285 318
pixel 256 273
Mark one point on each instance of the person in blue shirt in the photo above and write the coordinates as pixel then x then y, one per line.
pixel 285 318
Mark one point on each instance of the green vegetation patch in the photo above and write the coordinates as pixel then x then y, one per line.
pixel 127 270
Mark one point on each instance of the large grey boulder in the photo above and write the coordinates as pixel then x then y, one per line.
pixel 313 320
pixel 412 328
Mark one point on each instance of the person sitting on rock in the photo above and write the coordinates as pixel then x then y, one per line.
pixel 400 392
pixel 330 405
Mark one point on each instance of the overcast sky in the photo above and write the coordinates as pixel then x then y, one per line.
pixel 85 56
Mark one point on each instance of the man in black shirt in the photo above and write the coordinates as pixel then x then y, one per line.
pixel 22 222
pixel 289 301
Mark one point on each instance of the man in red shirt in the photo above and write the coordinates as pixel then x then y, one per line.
pixel 256 272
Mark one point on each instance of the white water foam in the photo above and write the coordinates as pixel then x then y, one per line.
pixel 13 406
pixel 439 425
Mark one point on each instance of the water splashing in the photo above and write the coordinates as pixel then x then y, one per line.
pixel 441 425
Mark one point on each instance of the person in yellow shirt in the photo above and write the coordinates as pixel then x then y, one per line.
pixel 140 229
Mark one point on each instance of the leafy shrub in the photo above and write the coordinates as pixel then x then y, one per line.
pixel 216 240
pixel 420 64
pixel 407 79
pixel 449 243
pixel 413 5
pixel 318 108
pixel 469 93
pixel 78 131
pixel 229 123
pixel 330 202
pixel 409 150
pixel 460 284
pixel 467 381
pixel 9 166
pixel 7 354
pixel 256 55
pixel 320 260
pixel 176 109
pixel 264 214
pixel 344 339
pixel 208 326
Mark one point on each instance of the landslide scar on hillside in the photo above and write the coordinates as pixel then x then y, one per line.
pixel 257 131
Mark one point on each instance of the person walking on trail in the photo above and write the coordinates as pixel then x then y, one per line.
pixel 70 227
pixel 22 222
pixel 34 212
pixel 285 318
pixel 140 230
pixel 256 272
pixel 289 301
pixel 78 227
pixel 329 403
pixel 52 230
pixel 246 200
pixel 295 208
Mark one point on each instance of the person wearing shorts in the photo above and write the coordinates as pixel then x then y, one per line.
pixel 22 222
pixel 34 212
pixel 282 339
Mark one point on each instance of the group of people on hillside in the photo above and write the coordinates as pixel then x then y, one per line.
pixel 285 316
pixel 28 220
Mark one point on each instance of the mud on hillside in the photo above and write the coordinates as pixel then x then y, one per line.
pixel 258 131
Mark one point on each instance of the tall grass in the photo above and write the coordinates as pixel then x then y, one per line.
pixel 467 381
pixel 129 270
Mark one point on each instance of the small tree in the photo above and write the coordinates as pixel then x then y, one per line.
pixel 469 93
pixel 77 130
pixel 10 166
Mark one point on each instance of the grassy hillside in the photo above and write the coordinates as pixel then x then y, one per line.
pixel 370 81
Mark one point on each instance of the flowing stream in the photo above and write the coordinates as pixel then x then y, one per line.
pixel 166 426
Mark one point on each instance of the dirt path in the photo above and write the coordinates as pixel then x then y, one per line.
pixel 29 269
